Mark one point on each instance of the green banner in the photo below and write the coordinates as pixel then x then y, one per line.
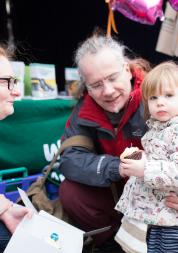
pixel 31 136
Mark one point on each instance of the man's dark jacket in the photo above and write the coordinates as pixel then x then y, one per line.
pixel 89 119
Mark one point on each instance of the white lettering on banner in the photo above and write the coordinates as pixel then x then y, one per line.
pixel 51 150
pixel 57 177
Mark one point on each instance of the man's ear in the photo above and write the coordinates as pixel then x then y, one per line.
pixel 128 71
pixel 90 93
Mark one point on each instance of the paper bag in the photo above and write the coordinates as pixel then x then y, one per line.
pixel 168 37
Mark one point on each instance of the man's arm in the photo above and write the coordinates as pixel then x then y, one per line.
pixel 81 165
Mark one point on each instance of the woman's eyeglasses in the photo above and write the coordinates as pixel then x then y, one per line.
pixel 9 81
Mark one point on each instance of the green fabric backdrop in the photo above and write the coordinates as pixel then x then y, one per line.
pixel 30 137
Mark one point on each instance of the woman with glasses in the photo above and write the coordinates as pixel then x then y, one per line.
pixel 10 216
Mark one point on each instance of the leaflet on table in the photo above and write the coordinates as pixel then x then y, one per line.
pixel 63 97
pixel 19 72
pixel 43 80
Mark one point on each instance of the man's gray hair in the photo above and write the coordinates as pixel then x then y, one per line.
pixel 95 44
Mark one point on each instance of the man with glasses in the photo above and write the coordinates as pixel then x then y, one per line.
pixel 109 112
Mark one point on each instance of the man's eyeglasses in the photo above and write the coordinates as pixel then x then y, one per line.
pixel 99 86
pixel 9 81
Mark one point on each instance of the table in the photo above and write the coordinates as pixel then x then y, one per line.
pixel 31 136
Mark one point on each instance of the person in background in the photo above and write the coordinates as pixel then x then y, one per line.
pixel 155 175
pixel 10 215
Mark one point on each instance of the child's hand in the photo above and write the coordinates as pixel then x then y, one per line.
pixel 122 171
pixel 130 167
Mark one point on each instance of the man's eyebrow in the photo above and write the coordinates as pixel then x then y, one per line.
pixel 112 74
pixel 91 84
pixel 104 78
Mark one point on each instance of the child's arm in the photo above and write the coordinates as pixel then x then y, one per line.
pixel 163 173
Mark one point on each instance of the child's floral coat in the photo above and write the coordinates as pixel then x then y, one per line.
pixel 144 198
